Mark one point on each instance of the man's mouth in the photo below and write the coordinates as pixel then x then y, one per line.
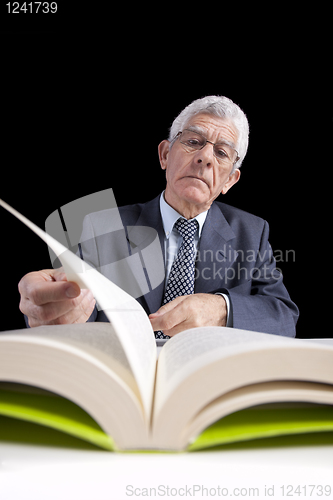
pixel 197 178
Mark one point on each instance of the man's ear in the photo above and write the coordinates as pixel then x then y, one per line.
pixel 233 178
pixel 163 153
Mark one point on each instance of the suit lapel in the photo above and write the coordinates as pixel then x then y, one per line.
pixel 215 252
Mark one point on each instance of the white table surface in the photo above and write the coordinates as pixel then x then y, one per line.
pixel 45 473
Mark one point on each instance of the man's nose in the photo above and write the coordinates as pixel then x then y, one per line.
pixel 205 155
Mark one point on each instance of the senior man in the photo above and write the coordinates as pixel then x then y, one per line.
pixel 219 265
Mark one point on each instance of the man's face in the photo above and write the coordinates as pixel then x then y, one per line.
pixel 196 178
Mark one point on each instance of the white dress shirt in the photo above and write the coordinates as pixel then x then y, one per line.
pixel 173 240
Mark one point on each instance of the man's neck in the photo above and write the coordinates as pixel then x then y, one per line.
pixel 187 210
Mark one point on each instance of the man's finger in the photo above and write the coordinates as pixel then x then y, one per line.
pixel 80 314
pixel 55 291
pixel 40 288
pixel 61 312
pixel 169 315
pixel 168 307
pixel 59 274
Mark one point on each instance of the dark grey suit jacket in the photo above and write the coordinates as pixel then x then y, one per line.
pixel 234 257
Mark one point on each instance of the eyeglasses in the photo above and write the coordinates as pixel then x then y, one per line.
pixel 193 141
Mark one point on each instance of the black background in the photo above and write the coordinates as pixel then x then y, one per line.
pixel 87 97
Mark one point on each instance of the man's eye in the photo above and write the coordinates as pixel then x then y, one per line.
pixel 221 153
pixel 193 142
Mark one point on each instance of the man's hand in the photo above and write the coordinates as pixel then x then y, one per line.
pixel 190 311
pixel 47 298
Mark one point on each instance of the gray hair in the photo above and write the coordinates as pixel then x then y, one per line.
pixel 221 107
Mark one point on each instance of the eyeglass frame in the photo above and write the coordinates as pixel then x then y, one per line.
pixel 206 140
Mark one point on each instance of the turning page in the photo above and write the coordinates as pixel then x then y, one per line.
pixel 125 314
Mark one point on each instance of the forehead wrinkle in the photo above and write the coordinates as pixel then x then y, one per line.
pixel 197 128
pixel 201 130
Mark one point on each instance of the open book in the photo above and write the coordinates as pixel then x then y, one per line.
pixel 209 385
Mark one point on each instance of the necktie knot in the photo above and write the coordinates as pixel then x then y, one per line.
pixel 186 228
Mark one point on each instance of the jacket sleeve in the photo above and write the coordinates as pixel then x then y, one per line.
pixel 262 303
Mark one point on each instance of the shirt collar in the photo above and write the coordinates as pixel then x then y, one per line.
pixel 170 216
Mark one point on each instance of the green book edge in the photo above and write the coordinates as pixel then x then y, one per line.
pixel 255 423
pixel 246 425
pixel 55 412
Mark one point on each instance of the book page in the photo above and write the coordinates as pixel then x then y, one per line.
pixel 284 394
pixel 76 372
pixel 320 341
pixel 189 351
pixel 97 339
pixel 201 364
pixel 127 317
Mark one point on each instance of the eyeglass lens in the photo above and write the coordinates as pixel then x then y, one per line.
pixel 194 141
